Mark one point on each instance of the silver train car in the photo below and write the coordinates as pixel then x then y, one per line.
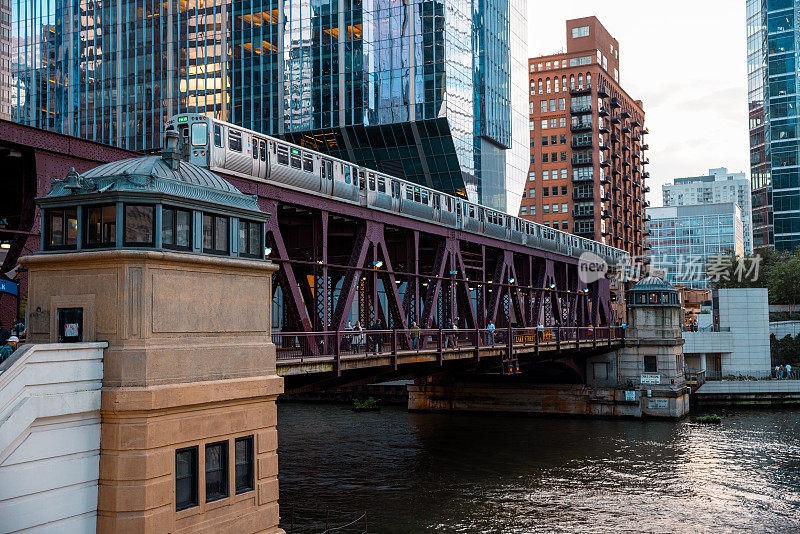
pixel 224 147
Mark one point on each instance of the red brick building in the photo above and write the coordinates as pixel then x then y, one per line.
pixel 587 172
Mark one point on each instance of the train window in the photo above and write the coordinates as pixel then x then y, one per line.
pixel 346 172
pixel 199 134
pixel 437 202
pixel 381 185
pixel 255 148
pixel 294 158
pixel 235 140
pixel 424 197
pixel 409 193
pixel 472 212
pixel 395 189
pixel 417 197
pixel 329 168
pixel 361 183
pixel 263 151
pixel 508 223
pixel 308 163
pixel 218 135
pixel 283 155
pixel 480 214
pixel 371 182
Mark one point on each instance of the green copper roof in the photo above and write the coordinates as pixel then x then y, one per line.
pixel 154 174
pixel 653 283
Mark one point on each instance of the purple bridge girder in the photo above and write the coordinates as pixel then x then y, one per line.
pixel 327 250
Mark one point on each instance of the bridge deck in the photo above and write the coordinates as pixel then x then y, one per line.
pixel 340 352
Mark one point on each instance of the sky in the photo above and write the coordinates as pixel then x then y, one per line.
pixel 686 60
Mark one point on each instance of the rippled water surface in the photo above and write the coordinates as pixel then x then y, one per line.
pixel 490 473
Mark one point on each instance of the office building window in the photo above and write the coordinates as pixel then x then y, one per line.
pixel 245 465
pixel 582 31
pixel 523 210
pixel 543 106
pixel 185 478
pixel 216 471
pixel 546 208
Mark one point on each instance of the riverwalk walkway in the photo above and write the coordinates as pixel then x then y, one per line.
pixel 749 392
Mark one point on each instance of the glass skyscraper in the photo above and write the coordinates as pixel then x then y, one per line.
pixel 772 46
pixel 422 89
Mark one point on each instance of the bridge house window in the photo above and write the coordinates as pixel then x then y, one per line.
pixel 216 471
pixel 250 239
pixel 101 226
pixel 62 228
pixel 650 364
pixel 185 478
pixel 244 465
pixel 138 223
pixel 215 234
pixel 176 228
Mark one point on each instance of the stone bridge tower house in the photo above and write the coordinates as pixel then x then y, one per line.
pixel 165 262
pixel 651 363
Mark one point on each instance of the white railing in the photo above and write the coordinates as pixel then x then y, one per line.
pixel 50 437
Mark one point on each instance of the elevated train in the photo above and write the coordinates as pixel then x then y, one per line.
pixel 224 147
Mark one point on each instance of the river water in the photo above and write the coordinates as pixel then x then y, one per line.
pixel 445 473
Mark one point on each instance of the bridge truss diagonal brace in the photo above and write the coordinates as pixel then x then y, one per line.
pixel 601 302
pixel 505 270
pixel 370 238
pixel 286 275
pixel 546 277
pixel 448 254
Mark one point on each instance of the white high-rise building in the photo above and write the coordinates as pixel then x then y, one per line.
pixel 718 187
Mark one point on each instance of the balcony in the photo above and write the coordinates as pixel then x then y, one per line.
pixel 581 162
pixel 605 181
pixel 626 128
pixel 605 163
pixel 645 147
pixel 606 214
pixel 603 129
pixel 614 138
pixel 614 120
pixel 615 154
pixel 606 197
pixel 580 178
pixel 645 131
pixel 615 103
pixel 625 115
pixel 603 112
pixel 581 143
pixel 646 189
pixel 602 92
pixel 580 109
pixel 635 123
pixel 582 215
pixel 615 171
pixel 583 195
pixel 604 146
pixel 580 90
pixel 646 203
pixel 646 161
pixel 580 126
pixel 645 175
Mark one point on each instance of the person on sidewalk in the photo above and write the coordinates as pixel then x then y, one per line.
pixel 789 371
pixel 414 336
pixel 490 335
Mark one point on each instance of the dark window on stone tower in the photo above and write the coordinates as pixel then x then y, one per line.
pixel 650 364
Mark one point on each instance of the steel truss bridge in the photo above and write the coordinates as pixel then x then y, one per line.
pixel 341 262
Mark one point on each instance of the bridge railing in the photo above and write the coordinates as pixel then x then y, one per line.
pixel 351 343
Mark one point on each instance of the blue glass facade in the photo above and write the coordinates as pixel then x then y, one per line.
pixel 773 44
pixel 418 88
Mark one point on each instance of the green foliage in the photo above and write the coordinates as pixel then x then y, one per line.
pixel 779 272
pixel 785 350
pixel 368 405
pixel 712 419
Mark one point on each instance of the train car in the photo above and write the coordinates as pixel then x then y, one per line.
pixel 224 147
